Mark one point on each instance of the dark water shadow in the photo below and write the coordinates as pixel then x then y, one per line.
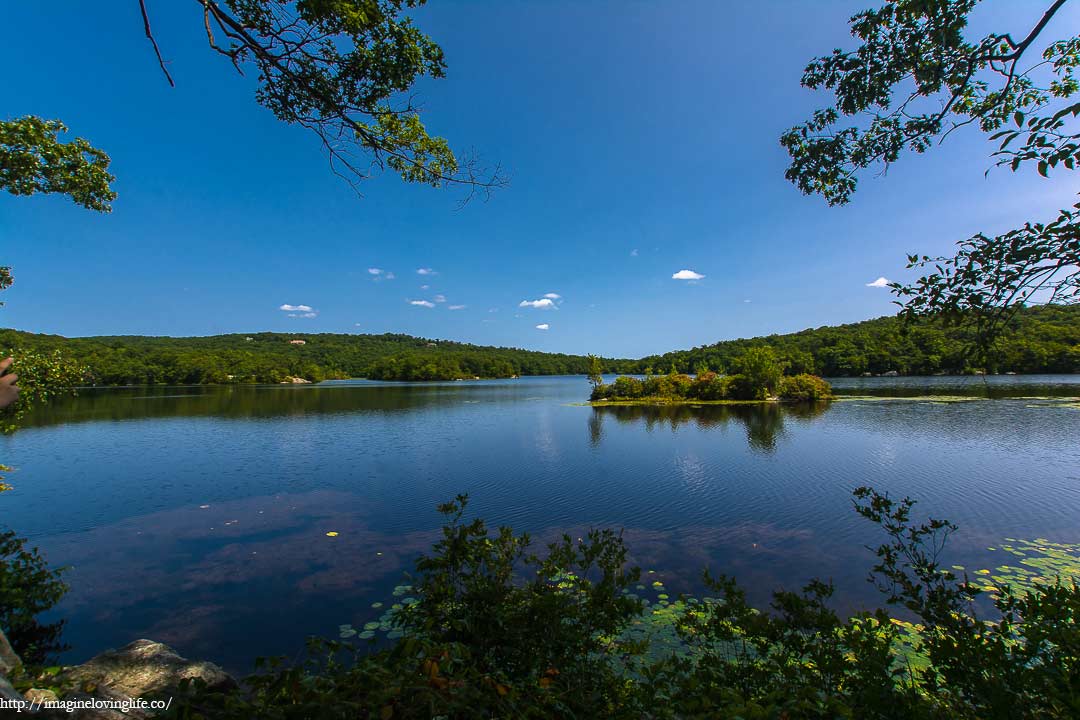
pixel 763 422
pixel 243 402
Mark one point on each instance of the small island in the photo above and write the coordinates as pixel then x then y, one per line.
pixel 757 376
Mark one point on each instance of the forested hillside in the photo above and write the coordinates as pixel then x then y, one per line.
pixel 271 357
pixel 1041 339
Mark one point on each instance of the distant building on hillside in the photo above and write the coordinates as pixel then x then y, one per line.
pixel 298 342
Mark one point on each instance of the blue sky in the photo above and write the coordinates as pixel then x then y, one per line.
pixel 641 139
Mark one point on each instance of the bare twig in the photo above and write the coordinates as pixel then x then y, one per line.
pixel 150 36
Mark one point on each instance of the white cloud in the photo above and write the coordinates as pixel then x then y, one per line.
pixel 553 296
pixel 542 326
pixel 456 307
pixel 424 287
pixel 544 303
pixel 390 276
pixel 356 324
pixel 746 301
pixel 880 282
pixel 299 311
pixel 425 271
pixel 422 303
pixel 375 271
pixel 633 253
pixel 687 275
pixel 440 298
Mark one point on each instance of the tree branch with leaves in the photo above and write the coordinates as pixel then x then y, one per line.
pixel 913 81
pixel 343 70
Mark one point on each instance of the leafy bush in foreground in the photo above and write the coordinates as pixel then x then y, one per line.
pixel 42 376
pixel 496 631
pixel 28 587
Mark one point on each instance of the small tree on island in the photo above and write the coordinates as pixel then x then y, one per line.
pixel 596 371
pixel 761 371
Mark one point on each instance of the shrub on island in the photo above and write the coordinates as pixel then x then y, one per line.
pixel 758 375
pixel 804 387
pixel 713 387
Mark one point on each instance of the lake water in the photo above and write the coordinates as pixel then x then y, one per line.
pixel 198 515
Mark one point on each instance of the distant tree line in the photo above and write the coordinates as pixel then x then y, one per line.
pixel 275 357
pixel 1040 339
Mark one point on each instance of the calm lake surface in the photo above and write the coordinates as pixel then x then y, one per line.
pixel 198 515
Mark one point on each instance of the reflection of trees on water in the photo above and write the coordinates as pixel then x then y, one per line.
pixel 244 401
pixel 764 422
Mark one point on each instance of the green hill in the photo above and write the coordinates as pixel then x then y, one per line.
pixel 1040 339
pixel 271 357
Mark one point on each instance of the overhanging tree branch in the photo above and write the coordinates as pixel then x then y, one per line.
pixel 150 37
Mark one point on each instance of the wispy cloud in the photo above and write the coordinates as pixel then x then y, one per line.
pixel 687 275
pixel 422 303
pixel 299 311
pixel 425 287
pixel 425 271
pixel 544 303
pixel 553 296
pixel 542 326
pixel 880 282
pixel 456 307
pixel 633 253
pixel 380 274
pixel 375 271
pixel 440 298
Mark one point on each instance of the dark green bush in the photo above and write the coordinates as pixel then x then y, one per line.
pixel 499 632
pixel 804 387
pixel 740 387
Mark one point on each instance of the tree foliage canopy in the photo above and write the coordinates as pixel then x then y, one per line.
pixel 342 69
pixel 34 160
pixel 914 79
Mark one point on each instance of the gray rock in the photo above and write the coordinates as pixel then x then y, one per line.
pixel 143 669
pixel 8 659
pixel 7 692
pixel 40 696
